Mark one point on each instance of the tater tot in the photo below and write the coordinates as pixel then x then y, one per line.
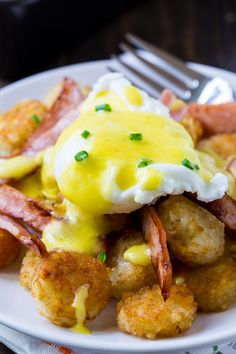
pixel 124 275
pixel 9 248
pixel 223 145
pixel 145 314
pixel 28 268
pixel 213 286
pixel 18 124
pixel 193 126
pixel 57 280
pixel 195 236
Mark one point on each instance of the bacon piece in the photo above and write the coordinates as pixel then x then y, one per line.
pixel 69 99
pixel 29 240
pixel 155 234
pixel 17 205
pixel 177 108
pixel 225 210
pixel 220 118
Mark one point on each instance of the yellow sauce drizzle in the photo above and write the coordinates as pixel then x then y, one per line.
pixel 139 254
pixel 17 167
pixel 80 309
pixel 133 95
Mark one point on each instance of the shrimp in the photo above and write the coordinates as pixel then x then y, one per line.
pixel 9 248
pixel 155 234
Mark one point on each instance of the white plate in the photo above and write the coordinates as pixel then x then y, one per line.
pixel 17 307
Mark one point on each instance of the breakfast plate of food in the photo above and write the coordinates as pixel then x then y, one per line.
pixel 117 213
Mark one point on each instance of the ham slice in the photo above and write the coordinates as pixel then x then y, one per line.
pixel 17 205
pixel 178 108
pixel 225 210
pixel 216 119
pixel 68 100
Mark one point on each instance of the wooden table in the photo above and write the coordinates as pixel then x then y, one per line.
pixel 200 31
pixel 195 30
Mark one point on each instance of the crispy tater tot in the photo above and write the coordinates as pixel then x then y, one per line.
pixel 9 248
pixel 193 126
pixel 223 145
pixel 28 268
pixel 124 275
pixel 57 280
pixel 213 286
pixel 195 236
pixel 146 314
pixel 18 124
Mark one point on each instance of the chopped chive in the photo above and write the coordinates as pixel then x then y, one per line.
pixel 85 134
pixel 190 165
pixel 81 155
pixel 36 119
pixel 144 162
pixel 103 107
pixel 136 136
pixel 102 256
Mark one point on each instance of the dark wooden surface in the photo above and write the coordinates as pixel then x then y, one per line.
pixel 203 31
pixel 196 30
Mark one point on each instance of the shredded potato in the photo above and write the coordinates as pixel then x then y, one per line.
pixel 145 314
pixel 195 236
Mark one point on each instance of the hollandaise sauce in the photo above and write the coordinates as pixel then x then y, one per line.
pixel 80 309
pixel 113 158
pixel 138 254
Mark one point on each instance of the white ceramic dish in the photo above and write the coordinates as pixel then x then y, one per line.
pixel 17 307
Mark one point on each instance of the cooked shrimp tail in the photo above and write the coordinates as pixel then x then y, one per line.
pixel 155 234
pixel 18 231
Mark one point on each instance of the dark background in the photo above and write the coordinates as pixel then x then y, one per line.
pixel 195 30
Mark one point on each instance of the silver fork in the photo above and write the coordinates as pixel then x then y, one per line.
pixel 154 69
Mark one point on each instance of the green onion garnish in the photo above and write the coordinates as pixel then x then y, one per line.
pixel 136 136
pixel 102 256
pixel 190 165
pixel 36 119
pixel 81 155
pixel 144 162
pixel 85 134
pixel 103 107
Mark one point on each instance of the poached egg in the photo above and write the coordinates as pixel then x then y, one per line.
pixel 125 151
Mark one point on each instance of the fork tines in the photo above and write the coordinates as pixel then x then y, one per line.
pixel 155 69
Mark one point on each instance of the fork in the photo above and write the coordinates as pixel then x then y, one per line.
pixel 154 69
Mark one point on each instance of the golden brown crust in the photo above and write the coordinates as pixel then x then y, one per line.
pixel 9 248
pixel 57 280
pixel 213 286
pixel 223 145
pixel 195 236
pixel 17 125
pixel 126 276
pixel 29 268
pixel 193 126
pixel 145 314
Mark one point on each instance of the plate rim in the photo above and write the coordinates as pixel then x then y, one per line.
pixel 146 346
